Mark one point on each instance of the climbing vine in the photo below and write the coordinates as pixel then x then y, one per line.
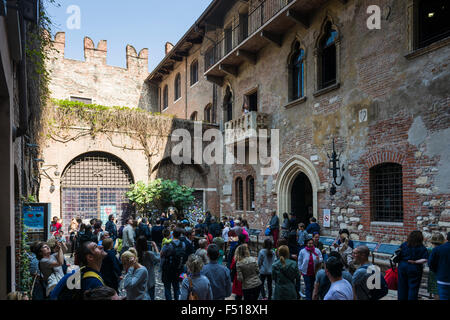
pixel 72 120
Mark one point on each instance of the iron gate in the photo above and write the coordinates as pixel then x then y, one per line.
pixel 93 186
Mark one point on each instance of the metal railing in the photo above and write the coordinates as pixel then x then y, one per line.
pixel 245 28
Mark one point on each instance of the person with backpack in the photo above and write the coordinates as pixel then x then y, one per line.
pixel 143 230
pixel 323 284
pixel 362 277
pixel 173 258
pixel 90 257
pixel 195 286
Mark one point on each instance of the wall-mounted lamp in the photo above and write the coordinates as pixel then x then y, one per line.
pixel 52 188
pixel 336 168
pixel 39 160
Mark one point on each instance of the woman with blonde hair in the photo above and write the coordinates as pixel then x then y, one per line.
pixel 135 281
pixel 248 273
pixel 285 274
pixel 195 286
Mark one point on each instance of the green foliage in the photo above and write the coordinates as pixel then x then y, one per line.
pixel 29 199
pixel 160 194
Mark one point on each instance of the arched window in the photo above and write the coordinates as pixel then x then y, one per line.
pixel 194 116
pixel 297 72
pixel 250 187
pixel 208 114
pixel 177 87
pixel 166 97
pixel 327 57
pixel 194 72
pixel 386 192
pixel 239 192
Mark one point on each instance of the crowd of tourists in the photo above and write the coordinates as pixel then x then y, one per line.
pixel 214 260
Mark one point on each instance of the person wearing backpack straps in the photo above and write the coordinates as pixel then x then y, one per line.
pixel 361 277
pixel 285 274
pixel 173 258
pixel 195 286
pixel 90 256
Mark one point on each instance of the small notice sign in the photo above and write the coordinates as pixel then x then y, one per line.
pixel 327 218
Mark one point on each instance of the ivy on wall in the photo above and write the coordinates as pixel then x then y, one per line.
pixel 71 120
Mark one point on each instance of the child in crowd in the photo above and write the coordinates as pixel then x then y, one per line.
pixel 302 235
pixel 167 237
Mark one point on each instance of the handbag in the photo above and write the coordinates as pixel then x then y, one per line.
pixel 192 295
pixel 391 278
pixel 396 256
pixel 268 232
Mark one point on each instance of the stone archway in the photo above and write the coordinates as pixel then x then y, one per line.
pixel 286 178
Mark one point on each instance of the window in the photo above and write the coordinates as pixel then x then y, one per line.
pixel 228 104
pixel 328 65
pixel 208 113
pixel 209 57
pixel 386 191
pixel 239 191
pixel 433 21
pixel 250 193
pixel 228 39
pixel 194 116
pixel 194 72
pixel 251 102
pixel 243 26
pixel 82 100
pixel 165 97
pixel 177 87
pixel 297 72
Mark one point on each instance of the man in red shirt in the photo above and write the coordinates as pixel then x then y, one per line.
pixel 55 226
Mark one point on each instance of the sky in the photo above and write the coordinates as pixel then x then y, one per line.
pixel 140 23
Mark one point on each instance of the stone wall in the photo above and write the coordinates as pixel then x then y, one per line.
pixel 407 105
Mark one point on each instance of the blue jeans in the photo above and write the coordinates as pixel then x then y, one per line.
pixel 176 289
pixel 409 278
pixel 309 286
pixel 443 291
pixel 151 293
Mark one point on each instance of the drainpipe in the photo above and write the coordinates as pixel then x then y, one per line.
pixel 186 88
pixel 23 84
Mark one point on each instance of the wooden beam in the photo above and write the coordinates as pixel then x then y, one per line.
pixel 216 80
pixel 168 67
pixel 298 18
pixel 247 55
pixel 272 37
pixel 229 69
pixel 162 71
pixel 182 53
pixel 195 41
pixel 176 58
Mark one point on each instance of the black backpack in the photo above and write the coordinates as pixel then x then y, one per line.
pixel 177 258
pixel 364 293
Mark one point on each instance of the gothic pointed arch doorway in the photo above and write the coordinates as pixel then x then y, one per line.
pixel 298 185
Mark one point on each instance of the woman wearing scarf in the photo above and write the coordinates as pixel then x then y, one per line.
pixel 309 259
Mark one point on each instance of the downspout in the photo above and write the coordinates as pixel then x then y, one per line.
pixel 23 84
pixel 186 88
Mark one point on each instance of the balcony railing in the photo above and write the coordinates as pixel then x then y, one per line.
pixel 245 127
pixel 257 17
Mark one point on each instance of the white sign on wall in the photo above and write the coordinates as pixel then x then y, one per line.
pixel 327 218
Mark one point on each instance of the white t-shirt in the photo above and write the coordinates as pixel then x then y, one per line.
pixel 340 290
pixel 225 234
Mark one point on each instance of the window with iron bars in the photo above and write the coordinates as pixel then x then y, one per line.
pixel 239 194
pixel 386 192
